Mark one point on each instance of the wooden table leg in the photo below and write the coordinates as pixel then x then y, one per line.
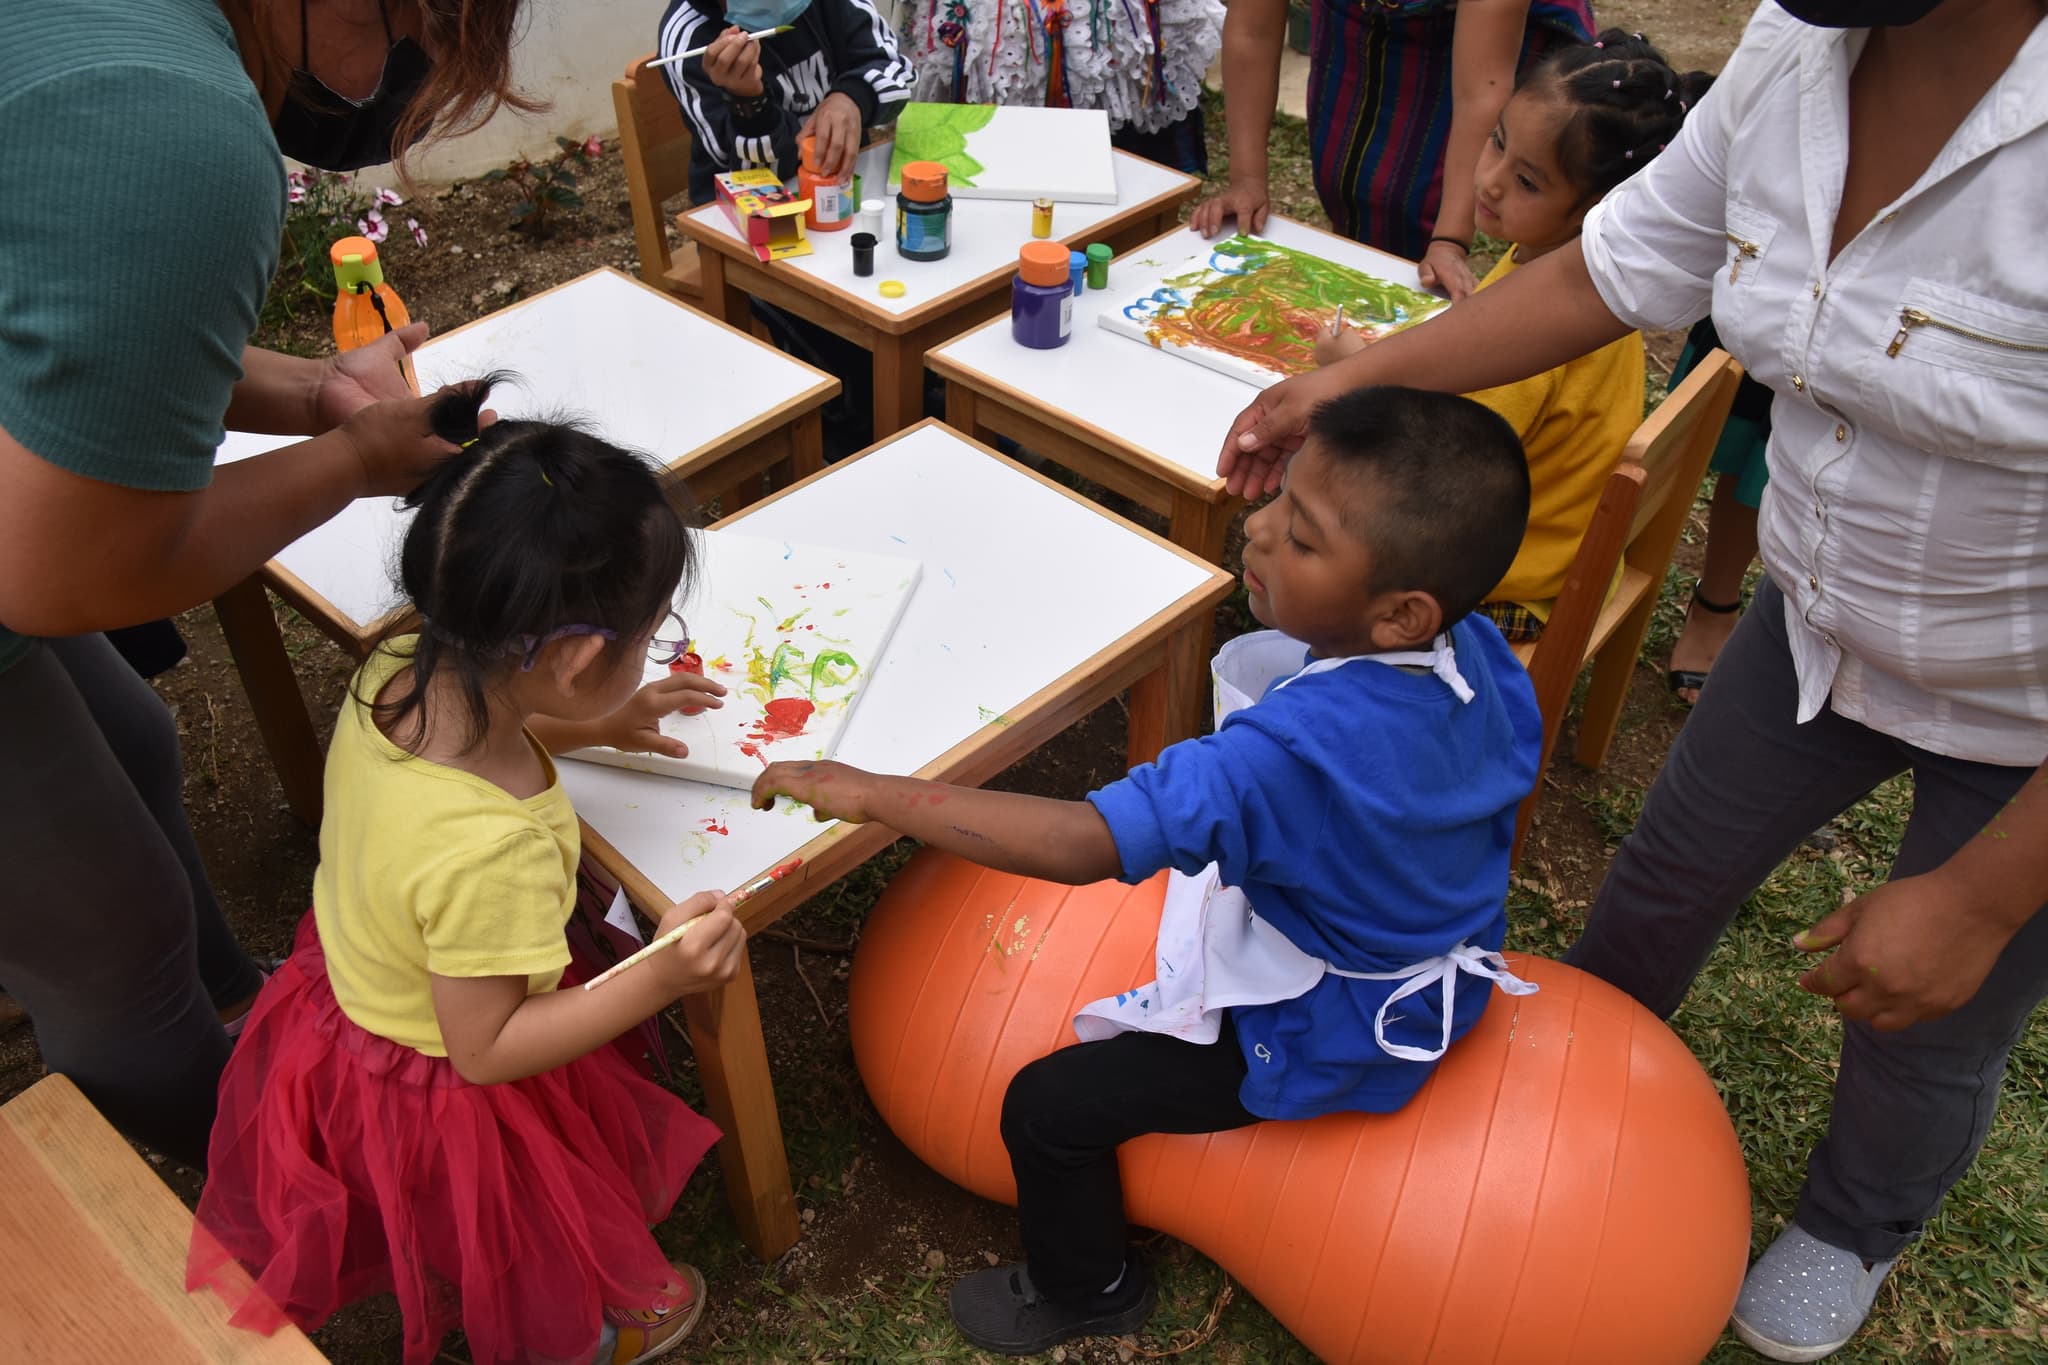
pixel 722 299
pixel 1200 526
pixel 899 384
pixel 273 690
pixel 732 1060
pixel 961 409
pixel 807 444
pixel 1166 704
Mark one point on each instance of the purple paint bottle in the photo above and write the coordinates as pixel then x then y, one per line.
pixel 1041 297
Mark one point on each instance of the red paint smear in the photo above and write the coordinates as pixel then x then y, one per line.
pixel 715 826
pixel 785 719
pixel 689 663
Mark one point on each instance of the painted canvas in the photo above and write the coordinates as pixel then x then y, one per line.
pixel 794 632
pixel 1251 308
pixel 1011 152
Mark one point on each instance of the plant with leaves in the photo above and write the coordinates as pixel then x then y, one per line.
pixel 548 186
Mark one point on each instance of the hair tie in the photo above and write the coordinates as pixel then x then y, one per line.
pixel 545 479
pixel 1669 92
pixel 1681 106
pixel 1629 155
pixel 1639 37
pixel 1598 46
pixel 1617 85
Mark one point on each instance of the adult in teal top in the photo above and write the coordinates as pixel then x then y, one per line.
pixel 141 208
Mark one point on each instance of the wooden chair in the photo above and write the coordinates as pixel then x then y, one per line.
pixel 1635 527
pixel 86 1226
pixel 655 143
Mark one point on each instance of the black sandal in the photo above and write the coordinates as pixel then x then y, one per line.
pixel 1686 679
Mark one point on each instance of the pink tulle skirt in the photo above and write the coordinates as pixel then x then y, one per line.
pixel 344 1165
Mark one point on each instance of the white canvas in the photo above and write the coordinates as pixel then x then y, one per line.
pixel 1251 308
pixel 1009 152
pixel 793 631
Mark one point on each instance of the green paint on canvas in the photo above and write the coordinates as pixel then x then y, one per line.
pixel 938 132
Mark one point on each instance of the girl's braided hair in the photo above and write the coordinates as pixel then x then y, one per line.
pixel 1626 105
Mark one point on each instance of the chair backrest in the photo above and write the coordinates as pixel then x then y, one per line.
pixel 655 144
pixel 1635 529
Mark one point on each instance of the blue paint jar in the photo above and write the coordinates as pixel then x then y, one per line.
pixel 1041 297
pixel 924 213
pixel 1078 264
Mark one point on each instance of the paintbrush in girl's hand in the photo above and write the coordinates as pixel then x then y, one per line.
pixel 756 37
pixel 669 939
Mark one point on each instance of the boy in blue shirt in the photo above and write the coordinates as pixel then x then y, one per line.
pixel 1364 806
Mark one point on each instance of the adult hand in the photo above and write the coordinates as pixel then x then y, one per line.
pixel 368 374
pixel 395 444
pixel 1266 434
pixel 1338 342
pixel 733 64
pixel 833 791
pixel 1446 269
pixel 835 124
pixel 636 726
pixel 1911 950
pixel 1244 201
pixel 710 954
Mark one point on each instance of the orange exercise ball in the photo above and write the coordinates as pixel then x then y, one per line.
pixel 1566 1187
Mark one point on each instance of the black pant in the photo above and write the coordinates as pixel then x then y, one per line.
pixel 1063 1117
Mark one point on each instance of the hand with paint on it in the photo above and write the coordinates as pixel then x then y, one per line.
pixel 1909 951
pixel 833 791
pixel 636 726
pixel 733 64
pixel 1336 342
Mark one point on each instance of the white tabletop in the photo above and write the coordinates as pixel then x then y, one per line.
pixel 1144 397
pixel 644 370
pixel 986 233
pixel 1021 584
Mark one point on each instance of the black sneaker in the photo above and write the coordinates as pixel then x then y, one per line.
pixel 1000 1310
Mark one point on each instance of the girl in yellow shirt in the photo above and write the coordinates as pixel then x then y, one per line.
pixel 1579 123
pixel 413 1104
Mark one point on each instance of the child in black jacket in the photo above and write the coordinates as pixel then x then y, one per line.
pixel 836 73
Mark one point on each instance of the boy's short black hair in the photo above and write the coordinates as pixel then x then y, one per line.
pixel 1441 490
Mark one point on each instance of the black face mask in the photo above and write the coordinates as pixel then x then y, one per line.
pixel 330 131
pixel 1858 13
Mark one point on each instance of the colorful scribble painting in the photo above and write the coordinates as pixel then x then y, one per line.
pixel 1251 308
pixel 794 632
pixel 1011 152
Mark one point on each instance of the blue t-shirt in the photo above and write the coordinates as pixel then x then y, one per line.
pixel 1367 814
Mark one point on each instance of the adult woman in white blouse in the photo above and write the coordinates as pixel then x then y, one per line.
pixel 1860 208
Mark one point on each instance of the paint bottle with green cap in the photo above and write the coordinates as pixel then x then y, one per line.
pixel 1098 265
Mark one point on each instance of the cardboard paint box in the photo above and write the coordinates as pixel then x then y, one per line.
pixel 764 212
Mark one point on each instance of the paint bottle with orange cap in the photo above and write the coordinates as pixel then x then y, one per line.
pixel 924 213
pixel 1041 297
pixel 831 196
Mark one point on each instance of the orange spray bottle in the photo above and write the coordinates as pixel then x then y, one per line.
pixel 365 307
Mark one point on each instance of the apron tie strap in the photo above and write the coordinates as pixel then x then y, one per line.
pixel 1441 971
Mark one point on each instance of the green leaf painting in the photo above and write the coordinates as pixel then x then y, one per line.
pixel 938 132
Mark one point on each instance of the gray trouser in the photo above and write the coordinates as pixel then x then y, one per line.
pixel 1744 785
pixel 110 936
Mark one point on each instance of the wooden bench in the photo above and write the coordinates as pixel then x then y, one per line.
pixel 92 1250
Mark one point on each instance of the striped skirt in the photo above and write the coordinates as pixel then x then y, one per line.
pixel 1379 108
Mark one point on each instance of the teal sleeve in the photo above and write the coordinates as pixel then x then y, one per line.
pixel 141 212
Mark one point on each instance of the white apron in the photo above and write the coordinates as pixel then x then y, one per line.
pixel 1216 954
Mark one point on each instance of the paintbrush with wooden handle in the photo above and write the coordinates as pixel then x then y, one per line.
pixel 673 936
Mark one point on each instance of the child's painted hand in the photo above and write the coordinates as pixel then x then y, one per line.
pixel 833 791
pixel 733 64
pixel 835 123
pixel 636 726
pixel 710 954
pixel 1337 342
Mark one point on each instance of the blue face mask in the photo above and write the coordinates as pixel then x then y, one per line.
pixel 751 16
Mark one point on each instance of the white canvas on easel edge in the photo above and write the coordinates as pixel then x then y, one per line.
pixel 793 631
pixel 1020 152
pixel 1285 324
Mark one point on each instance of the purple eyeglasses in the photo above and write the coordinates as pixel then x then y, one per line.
pixel 670 642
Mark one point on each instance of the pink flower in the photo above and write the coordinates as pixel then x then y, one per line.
pixel 295 183
pixel 388 198
pixel 419 234
pixel 373 226
pixel 592 146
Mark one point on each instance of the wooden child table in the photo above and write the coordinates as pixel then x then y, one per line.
pixel 650 372
pixel 92 1250
pixel 1140 421
pixel 943 296
pixel 1034 607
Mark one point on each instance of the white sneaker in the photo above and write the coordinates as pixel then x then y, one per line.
pixel 1804 1299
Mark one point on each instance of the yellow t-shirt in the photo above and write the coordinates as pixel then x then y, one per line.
pixel 1573 421
pixel 428 869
